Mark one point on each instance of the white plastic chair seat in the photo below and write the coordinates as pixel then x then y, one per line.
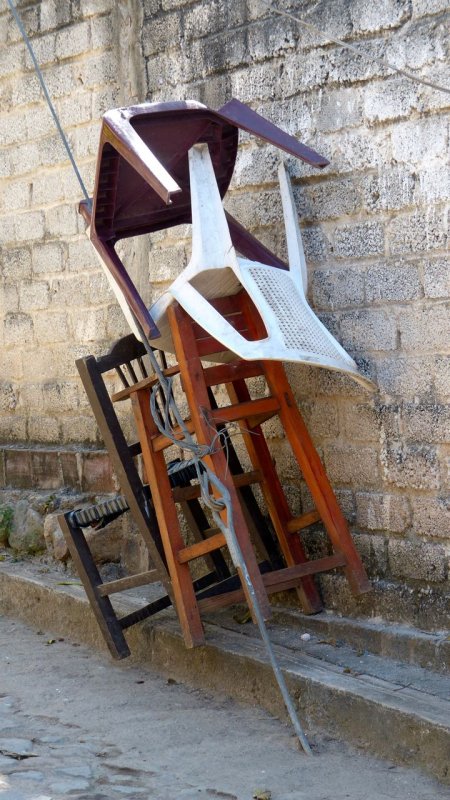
pixel 294 332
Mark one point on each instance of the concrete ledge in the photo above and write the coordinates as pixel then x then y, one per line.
pixel 398 722
pixel 403 642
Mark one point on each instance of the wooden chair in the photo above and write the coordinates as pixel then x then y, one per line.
pixel 192 344
pixel 126 357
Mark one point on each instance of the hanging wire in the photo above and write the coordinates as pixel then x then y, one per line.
pixel 49 102
pixel 383 61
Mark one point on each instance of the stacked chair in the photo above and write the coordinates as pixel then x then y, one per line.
pixel 235 313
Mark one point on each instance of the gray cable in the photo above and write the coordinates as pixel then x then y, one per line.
pixel 383 61
pixel 49 102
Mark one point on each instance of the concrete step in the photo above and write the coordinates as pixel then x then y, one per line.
pixel 394 709
pixel 401 642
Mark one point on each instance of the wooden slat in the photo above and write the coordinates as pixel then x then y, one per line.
pixel 278 581
pixel 288 578
pixel 130 582
pixel 180 493
pixel 201 548
pixel 259 419
pixel 208 346
pixel 238 411
pixel 236 320
pixel 233 370
pixel 145 383
pixel 89 574
pixel 303 521
pixel 315 477
pixel 160 442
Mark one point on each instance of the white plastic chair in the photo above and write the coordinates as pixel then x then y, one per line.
pixel 294 331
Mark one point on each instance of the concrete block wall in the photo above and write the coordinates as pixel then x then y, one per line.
pixel 375 225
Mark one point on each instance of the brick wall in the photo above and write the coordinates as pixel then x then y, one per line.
pixel 374 223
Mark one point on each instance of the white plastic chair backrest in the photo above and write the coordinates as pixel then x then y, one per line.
pixel 296 254
pixel 212 247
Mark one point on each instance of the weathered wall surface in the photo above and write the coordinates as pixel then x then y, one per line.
pixel 375 228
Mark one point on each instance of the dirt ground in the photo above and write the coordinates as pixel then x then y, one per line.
pixel 75 724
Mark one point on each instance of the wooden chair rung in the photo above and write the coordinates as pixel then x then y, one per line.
pixel 303 521
pixel 160 442
pixel 130 582
pixel 278 581
pixel 249 410
pixel 199 549
pixel 145 383
pixel 232 371
pixel 259 419
pixel 180 493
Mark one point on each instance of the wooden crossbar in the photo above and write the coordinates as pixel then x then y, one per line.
pixel 130 582
pixel 278 581
pixel 180 493
pixel 201 548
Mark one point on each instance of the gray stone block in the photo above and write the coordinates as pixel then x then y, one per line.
pixel 33 295
pixel 337 109
pixel 368 330
pixel 407 378
pixel 410 466
pixel 382 512
pixel 442 376
pixel 392 189
pixel 436 278
pixel 18 328
pixel 431 516
pixel 392 282
pixel 51 327
pixel 48 258
pixel 426 422
pixel 358 241
pixel 385 15
pixel 425 328
pixel 417 232
pixel 29 226
pixel 340 288
pixel 388 100
pixel 328 200
pixel 417 560
pixel 27 535
pixel 417 140
pixel 349 464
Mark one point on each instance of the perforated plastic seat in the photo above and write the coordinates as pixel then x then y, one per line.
pixel 294 332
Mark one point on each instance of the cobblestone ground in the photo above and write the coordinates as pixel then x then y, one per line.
pixel 74 724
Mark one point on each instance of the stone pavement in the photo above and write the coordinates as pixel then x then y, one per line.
pixel 74 724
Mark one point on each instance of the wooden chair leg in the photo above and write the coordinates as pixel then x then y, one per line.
pixel 308 459
pixel 316 477
pixel 195 388
pixel 166 513
pixel 90 577
pixel 275 498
